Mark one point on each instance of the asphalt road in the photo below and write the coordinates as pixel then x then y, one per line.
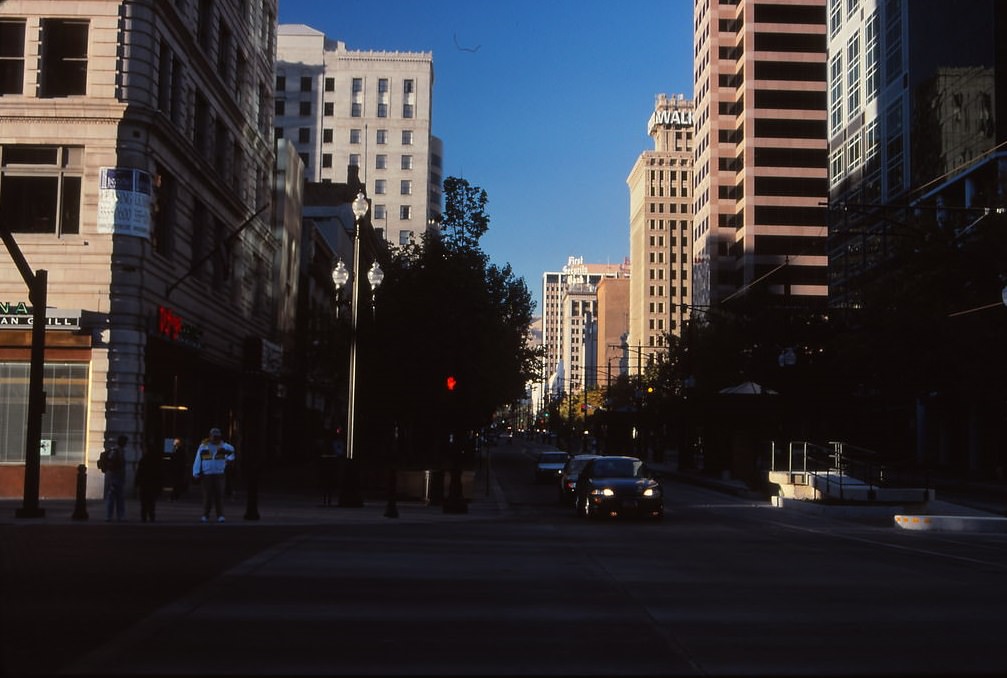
pixel 516 586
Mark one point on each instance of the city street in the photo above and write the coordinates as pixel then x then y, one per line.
pixel 518 585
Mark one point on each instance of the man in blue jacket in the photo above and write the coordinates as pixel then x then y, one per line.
pixel 208 469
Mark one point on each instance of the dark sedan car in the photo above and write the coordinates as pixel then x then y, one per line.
pixel 568 477
pixel 549 465
pixel 618 486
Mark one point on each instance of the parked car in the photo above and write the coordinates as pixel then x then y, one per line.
pixel 549 465
pixel 568 476
pixel 618 486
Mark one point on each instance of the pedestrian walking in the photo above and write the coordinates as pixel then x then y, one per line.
pixel 149 482
pixel 112 463
pixel 209 468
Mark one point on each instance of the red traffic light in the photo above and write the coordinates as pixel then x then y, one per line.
pixel 451 383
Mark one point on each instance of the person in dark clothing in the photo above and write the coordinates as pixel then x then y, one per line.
pixel 148 483
pixel 113 464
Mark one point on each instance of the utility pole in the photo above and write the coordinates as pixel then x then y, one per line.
pixel 37 292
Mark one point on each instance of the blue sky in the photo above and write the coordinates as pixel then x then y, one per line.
pixel 542 104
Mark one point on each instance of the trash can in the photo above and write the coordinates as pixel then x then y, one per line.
pixel 433 487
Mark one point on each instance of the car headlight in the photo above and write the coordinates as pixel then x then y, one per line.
pixel 652 492
pixel 603 492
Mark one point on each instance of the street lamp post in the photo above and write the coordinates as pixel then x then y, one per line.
pixel 349 495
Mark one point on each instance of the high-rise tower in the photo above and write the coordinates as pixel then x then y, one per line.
pixel 660 189
pixel 761 152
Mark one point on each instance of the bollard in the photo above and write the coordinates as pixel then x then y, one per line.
pixel 80 506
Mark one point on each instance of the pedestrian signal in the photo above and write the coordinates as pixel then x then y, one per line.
pixel 451 383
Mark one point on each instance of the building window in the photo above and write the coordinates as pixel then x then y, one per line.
pixel 382 136
pixel 853 153
pixel 408 86
pixel 330 84
pixel 223 50
pixel 407 162
pixel 66 411
pixel 871 56
pixel 280 107
pixel 354 136
pixel 304 135
pixel 407 110
pixel 406 187
pixel 326 136
pixel 836 78
pixel 382 110
pixel 281 83
pixel 40 188
pixel 405 212
pixel 853 75
pixel 836 170
pixel 326 160
pixel 162 212
pixel 64 58
pixel 305 158
pixel 380 212
pixel 305 83
pixel 305 109
pixel 405 237
pixel 329 109
pixel 382 85
pixel 204 23
pixel 381 161
pixel 358 85
pixel 278 132
pixel 407 137
pixel 380 187
pixel 356 109
pixel 12 57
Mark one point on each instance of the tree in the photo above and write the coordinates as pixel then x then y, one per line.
pixel 446 311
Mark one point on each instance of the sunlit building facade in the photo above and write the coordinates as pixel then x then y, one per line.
pixel 370 109
pixel 761 167
pixel 660 228
pixel 136 169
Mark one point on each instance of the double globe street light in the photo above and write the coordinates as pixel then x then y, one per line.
pixel 350 495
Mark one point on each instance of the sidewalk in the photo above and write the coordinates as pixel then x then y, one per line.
pixel 289 500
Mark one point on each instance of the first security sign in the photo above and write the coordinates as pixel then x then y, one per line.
pixel 124 202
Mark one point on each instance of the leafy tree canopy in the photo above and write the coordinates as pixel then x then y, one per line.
pixel 446 311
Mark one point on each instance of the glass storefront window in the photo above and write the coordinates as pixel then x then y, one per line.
pixel 64 422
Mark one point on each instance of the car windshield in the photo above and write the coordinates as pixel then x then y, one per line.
pixel 618 468
pixel 576 465
pixel 549 458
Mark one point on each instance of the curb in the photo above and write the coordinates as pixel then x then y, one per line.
pixel 952 523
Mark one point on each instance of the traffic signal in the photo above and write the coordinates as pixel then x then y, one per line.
pixel 451 383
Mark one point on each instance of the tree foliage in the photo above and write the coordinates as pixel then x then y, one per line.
pixel 446 311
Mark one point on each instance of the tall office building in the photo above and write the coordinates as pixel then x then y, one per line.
pixel 660 229
pixel 761 152
pixel 136 169
pixel 918 187
pixel 914 119
pixel 370 109
pixel 569 313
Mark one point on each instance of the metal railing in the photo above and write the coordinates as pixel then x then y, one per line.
pixel 841 465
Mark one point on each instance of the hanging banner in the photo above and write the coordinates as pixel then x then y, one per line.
pixel 124 202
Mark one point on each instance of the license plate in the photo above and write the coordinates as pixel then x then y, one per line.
pixel 629 503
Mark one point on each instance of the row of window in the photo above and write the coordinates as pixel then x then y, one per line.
pixel 304 109
pixel 62 57
pixel 307 83
pixel 846 107
pixel 381 138
pixel 356 100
